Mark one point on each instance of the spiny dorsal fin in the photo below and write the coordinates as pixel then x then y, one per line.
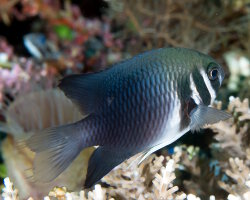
pixel 85 90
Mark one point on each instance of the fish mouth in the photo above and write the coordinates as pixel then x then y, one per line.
pixel 221 78
pixel 222 75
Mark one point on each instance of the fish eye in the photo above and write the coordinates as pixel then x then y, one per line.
pixel 213 74
pixel 213 71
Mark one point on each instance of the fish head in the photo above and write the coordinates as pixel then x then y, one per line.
pixel 205 79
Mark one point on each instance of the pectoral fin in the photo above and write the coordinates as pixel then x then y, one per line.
pixel 102 161
pixel 203 115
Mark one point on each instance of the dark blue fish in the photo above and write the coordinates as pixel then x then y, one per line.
pixel 139 105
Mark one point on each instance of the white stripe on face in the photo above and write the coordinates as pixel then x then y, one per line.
pixel 195 94
pixel 209 86
pixel 220 79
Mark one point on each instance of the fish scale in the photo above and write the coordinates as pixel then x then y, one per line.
pixel 136 113
pixel 138 105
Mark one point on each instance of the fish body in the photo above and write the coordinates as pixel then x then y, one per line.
pixel 139 105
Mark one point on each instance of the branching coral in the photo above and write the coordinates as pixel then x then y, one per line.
pixel 9 193
pixel 232 135
pixel 153 179
pixel 203 25
pixel 163 187
pixel 240 172
pixel 149 181
pixel 233 145
pixel 128 178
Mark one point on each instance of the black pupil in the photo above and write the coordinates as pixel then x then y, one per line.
pixel 214 73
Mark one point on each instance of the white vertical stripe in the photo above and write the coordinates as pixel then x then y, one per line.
pixel 32 48
pixel 195 94
pixel 220 79
pixel 171 129
pixel 209 86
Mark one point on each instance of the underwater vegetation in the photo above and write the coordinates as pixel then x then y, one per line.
pixel 42 41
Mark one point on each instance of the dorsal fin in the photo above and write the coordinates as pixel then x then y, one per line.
pixel 85 90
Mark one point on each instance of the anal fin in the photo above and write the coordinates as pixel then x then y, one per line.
pixel 102 161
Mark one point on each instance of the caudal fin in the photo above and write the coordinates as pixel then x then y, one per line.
pixel 55 150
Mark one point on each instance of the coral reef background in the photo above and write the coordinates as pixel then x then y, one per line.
pixel 43 40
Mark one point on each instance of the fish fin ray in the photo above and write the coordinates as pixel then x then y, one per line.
pixel 165 142
pixel 136 161
pixel 84 90
pixel 102 161
pixel 152 150
pixel 146 154
pixel 203 115
pixel 55 149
